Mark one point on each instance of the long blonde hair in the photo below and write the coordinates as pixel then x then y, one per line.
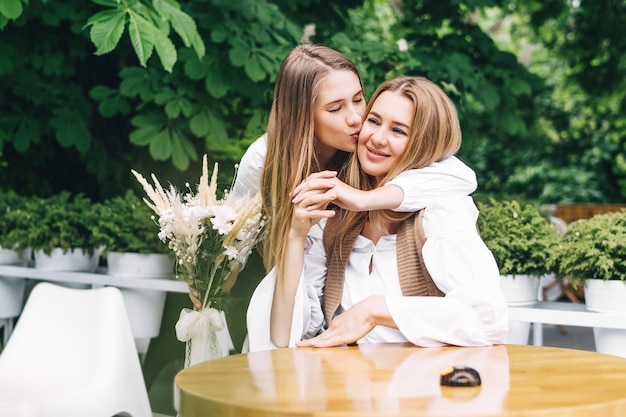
pixel 435 134
pixel 291 139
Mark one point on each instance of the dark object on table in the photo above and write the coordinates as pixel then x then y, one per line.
pixel 460 376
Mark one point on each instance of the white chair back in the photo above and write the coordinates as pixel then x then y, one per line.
pixel 72 354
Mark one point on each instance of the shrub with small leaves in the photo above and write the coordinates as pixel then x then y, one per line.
pixel 594 248
pixel 520 237
pixel 13 218
pixel 126 224
pixel 59 221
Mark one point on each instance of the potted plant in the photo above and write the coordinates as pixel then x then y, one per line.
pixel 12 252
pixel 592 254
pixel 129 232
pixel 522 240
pixel 59 231
pixel 13 218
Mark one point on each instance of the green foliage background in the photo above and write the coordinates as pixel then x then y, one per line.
pixel 92 89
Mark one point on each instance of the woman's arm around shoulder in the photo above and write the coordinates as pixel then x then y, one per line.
pixel 410 191
pixel 419 187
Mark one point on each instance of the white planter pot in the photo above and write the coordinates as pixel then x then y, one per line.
pixel 607 297
pixel 519 290
pixel 12 257
pixel 155 265
pixel 12 288
pixel 74 260
pixel 144 307
pixel 11 296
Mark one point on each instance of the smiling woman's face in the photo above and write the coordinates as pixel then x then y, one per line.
pixel 385 133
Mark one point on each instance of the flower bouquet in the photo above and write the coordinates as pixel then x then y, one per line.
pixel 211 239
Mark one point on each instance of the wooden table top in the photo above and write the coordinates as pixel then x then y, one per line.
pixel 403 380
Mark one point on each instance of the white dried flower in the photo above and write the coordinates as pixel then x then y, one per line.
pixel 211 238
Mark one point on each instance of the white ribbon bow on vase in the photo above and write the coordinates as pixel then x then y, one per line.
pixel 206 334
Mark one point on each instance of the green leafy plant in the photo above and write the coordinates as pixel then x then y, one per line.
pixel 521 238
pixel 594 249
pixel 126 224
pixel 13 217
pixel 60 221
pixel 148 28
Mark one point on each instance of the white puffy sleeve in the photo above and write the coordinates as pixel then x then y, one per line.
pixel 308 317
pixel 448 177
pixel 248 179
pixel 473 311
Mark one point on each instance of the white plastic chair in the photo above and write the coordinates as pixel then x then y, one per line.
pixel 72 354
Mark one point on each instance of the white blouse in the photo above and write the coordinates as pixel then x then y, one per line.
pixel 472 313
pixel 447 177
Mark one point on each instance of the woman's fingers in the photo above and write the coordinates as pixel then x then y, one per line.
pixel 317 181
pixel 314 197
pixel 315 200
pixel 193 296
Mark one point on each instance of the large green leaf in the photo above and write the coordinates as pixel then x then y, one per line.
pixel 137 82
pixel 142 36
pixel 106 33
pixel 180 152
pixel 195 68
pixel 254 68
pixel 11 9
pixel 200 124
pixel 161 145
pixel 148 127
pixel 113 106
pixel 239 53
pixel 27 132
pixel 70 131
pixel 174 103
pixel 198 45
pixel 266 63
pixel 216 83
pixel 182 24
pixel 166 50
pixel 219 33
pixel 218 130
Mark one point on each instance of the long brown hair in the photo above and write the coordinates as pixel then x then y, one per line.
pixel 290 139
pixel 435 134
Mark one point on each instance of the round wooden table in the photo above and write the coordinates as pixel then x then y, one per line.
pixel 403 380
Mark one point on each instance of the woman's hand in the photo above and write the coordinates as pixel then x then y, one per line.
pixel 311 199
pixel 326 184
pixel 193 296
pixel 353 324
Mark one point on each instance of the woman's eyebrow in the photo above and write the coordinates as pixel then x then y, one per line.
pixel 394 122
pixel 360 92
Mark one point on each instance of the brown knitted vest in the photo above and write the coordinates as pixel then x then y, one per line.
pixel 414 277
